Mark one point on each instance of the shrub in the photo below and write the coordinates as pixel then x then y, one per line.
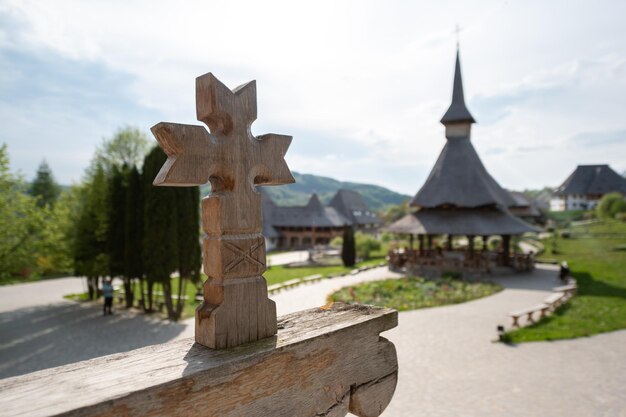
pixel 365 245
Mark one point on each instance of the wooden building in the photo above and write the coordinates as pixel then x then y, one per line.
pixel 459 198
pixel 584 188
pixel 303 227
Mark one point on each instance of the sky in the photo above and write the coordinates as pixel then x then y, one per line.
pixel 360 85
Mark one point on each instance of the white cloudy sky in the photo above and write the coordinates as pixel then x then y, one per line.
pixel 361 85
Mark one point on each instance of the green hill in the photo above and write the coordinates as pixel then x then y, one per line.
pixel 376 197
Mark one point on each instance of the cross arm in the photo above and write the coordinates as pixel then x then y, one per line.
pixel 272 168
pixel 189 150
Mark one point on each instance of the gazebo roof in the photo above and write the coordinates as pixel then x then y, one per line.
pixel 460 179
pixel 476 222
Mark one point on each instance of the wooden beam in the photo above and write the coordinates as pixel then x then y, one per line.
pixel 323 362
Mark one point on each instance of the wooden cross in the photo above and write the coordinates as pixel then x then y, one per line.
pixel 236 308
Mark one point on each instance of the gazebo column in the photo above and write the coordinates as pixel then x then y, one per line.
pixel 421 243
pixel 449 243
pixel 506 248
pixel 470 245
pixel 430 242
pixel 485 241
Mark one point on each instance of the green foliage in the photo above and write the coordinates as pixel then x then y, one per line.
pixel 376 197
pixel 599 270
pixel 188 211
pixel 610 205
pixel 348 248
pixel 91 256
pixel 127 147
pixel 412 293
pixel 337 242
pixel 44 188
pixel 160 236
pixel 116 223
pixel 365 245
pixel 21 222
pixel 396 212
pixel 133 229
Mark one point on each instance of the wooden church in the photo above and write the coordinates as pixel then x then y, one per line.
pixel 459 199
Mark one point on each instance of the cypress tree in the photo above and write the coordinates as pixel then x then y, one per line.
pixel 91 256
pixel 116 239
pixel 160 236
pixel 348 248
pixel 188 212
pixel 133 230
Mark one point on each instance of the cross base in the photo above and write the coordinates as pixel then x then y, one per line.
pixel 234 312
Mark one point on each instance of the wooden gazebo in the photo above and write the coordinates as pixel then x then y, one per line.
pixel 459 198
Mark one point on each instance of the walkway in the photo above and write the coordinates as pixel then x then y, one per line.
pixel 448 363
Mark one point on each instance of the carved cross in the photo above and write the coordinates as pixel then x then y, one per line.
pixel 236 308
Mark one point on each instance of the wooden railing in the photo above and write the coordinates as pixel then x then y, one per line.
pixel 323 362
pixel 464 261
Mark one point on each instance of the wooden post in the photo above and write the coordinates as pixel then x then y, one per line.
pixel 449 243
pixel 421 243
pixel 485 242
pixel 411 238
pixel 236 308
pixel 430 242
pixel 470 245
pixel 324 362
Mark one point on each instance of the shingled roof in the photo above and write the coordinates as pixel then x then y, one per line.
pixel 460 179
pixel 593 179
pixel 352 206
pixel 314 214
pixel 463 221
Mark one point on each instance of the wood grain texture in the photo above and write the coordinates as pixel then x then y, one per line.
pixel 236 308
pixel 323 362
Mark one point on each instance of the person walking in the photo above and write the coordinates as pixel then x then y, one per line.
pixel 107 292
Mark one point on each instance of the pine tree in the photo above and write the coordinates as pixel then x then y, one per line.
pixel 160 236
pixel 348 248
pixel 44 188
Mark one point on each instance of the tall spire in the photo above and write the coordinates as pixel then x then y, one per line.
pixel 457 112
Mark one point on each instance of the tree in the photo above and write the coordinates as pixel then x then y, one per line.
pixel 610 205
pixel 396 212
pixel 116 228
pixel 44 188
pixel 21 222
pixel 91 256
pixel 365 244
pixel 189 259
pixel 348 249
pixel 127 147
pixel 133 229
pixel 160 235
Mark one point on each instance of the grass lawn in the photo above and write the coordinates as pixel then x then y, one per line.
pixel 599 266
pixel 412 293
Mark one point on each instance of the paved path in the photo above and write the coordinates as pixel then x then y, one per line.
pixel 13 297
pixel 448 363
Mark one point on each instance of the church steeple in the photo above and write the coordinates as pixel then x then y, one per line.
pixel 457 112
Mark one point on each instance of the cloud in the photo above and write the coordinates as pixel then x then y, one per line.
pixel 360 85
pixel 599 138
